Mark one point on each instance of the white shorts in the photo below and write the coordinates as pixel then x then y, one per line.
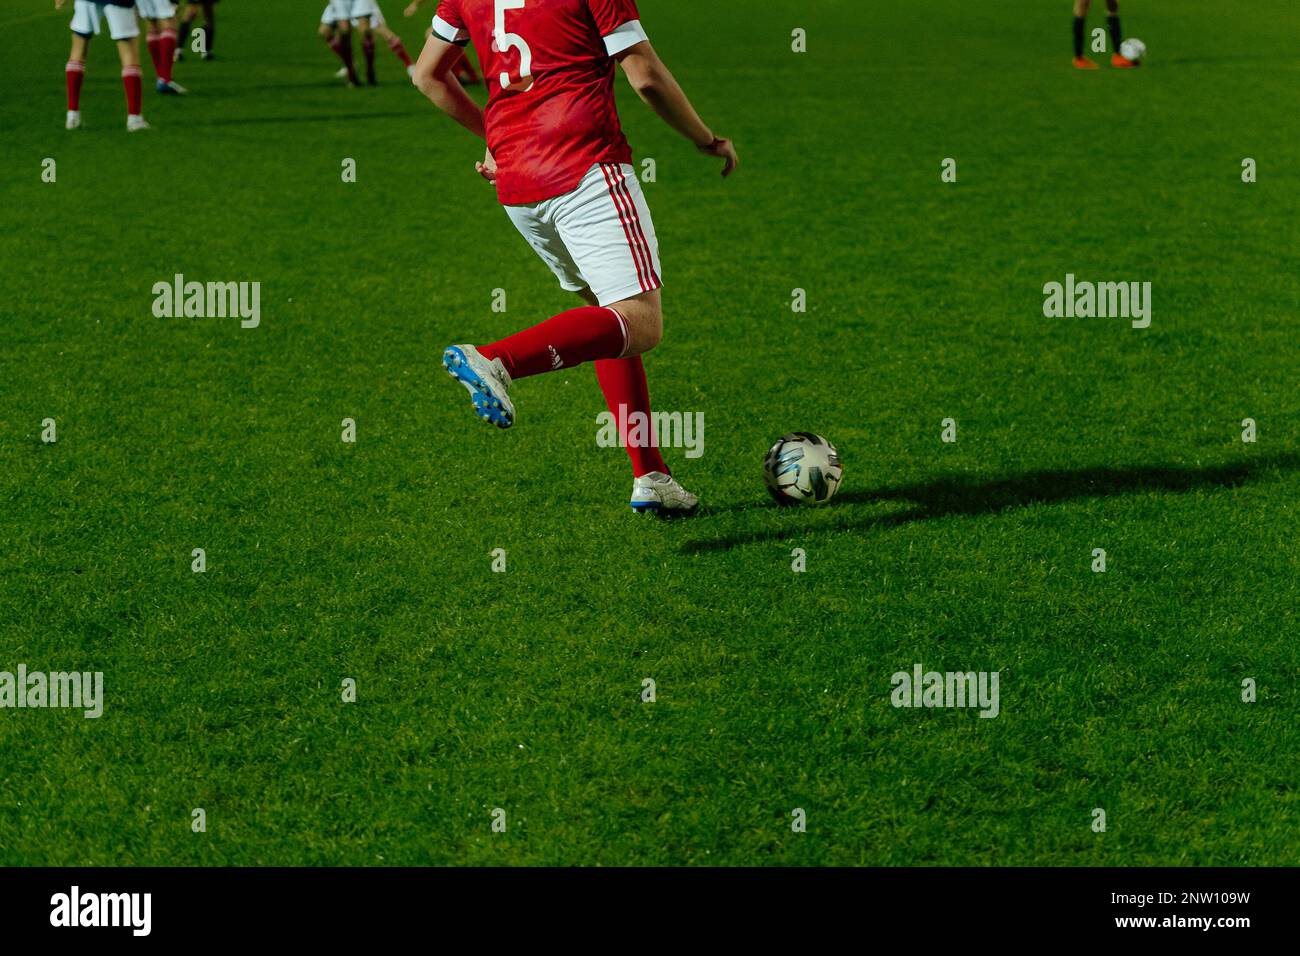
pixel 376 18
pixel 338 10
pixel 599 236
pixel 156 9
pixel 121 20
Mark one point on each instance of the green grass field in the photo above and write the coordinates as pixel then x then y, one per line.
pixel 477 690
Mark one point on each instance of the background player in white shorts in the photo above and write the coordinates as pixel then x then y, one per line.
pixel 380 26
pixel 86 18
pixel 161 40
pixel 562 168
pixel 336 29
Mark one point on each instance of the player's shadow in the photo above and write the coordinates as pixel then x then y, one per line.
pixel 949 495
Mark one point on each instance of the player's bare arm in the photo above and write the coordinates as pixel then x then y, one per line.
pixel 659 89
pixel 434 77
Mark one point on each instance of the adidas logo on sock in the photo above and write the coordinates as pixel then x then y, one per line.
pixel 556 361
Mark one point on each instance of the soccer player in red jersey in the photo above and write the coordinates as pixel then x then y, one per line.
pixel 563 170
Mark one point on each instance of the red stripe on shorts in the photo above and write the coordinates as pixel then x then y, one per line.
pixel 627 231
pixel 636 221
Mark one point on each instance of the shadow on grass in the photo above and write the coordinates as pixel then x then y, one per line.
pixel 950 495
pixel 277 120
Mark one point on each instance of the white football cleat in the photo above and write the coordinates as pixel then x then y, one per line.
pixel 410 70
pixel 170 88
pixel 74 119
pixel 488 383
pixel 661 494
pixel 135 124
pixel 341 73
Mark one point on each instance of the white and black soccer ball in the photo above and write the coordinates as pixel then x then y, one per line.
pixel 802 467
pixel 1133 49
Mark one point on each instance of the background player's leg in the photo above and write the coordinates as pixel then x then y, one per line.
pixel 75 73
pixel 186 24
pixel 1080 19
pixel 153 40
pixel 395 44
pixel 209 28
pixel 464 69
pixel 340 41
pixel 367 47
pixel 166 49
pixel 1116 36
pixel 132 82
pixel 1112 21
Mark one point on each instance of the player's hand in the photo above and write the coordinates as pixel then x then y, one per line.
pixel 488 168
pixel 411 9
pixel 58 4
pixel 726 150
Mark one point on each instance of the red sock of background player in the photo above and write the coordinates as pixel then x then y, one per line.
pixel 562 341
pixel 166 54
pixel 395 44
pixel 75 72
pixel 153 41
pixel 131 82
pixel 623 382
pixel 342 47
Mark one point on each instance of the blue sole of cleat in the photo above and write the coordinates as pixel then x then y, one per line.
pixel 486 405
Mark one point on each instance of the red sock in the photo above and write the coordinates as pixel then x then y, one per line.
pixel 343 49
pixel 75 72
pixel 562 341
pixel 623 382
pixel 132 84
pixel 166 54
pixel 153 42
pixel 395 44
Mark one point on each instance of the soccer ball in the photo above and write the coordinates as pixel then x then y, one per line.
pixel 802 467
pixel 1133 50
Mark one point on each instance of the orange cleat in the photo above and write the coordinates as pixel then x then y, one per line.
pixel 1083 63
pixel 1122 62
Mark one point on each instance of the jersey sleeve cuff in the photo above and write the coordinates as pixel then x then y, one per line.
pixel 623 36
pixel 448 33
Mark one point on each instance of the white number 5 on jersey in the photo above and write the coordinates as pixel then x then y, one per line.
pixel 508 41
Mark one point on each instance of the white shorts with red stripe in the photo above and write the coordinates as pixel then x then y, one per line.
pixel 599 236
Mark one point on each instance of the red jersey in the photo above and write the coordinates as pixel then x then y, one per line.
pixel 550 75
